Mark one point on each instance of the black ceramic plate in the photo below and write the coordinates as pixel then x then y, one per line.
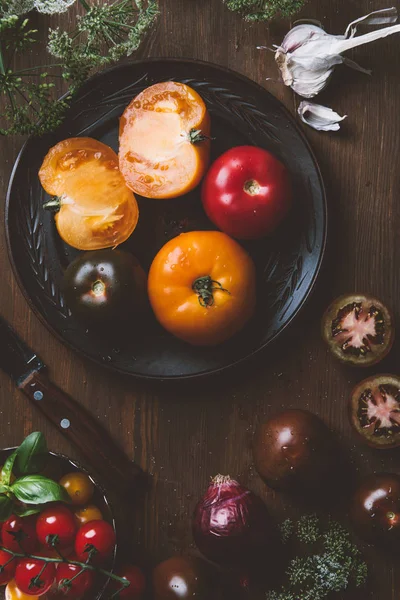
pixel 287 263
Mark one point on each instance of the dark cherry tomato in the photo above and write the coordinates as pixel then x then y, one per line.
pixel 181 578
pixel 375 509
pixel 293 449
pixel 247 192
pixel 30 578
pixel 20 534
pixel 79 487
pixel 56 526
pixel 105 286
pixel 137 582
pixel 73 581
pixel 358 329
pixel 96 539
pixel 8 565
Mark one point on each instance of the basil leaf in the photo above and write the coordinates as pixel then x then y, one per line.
pixel 36 489
pixel 26 511
pixel 6 471
pixel 6 506
pixel 32 454
pixel 4 488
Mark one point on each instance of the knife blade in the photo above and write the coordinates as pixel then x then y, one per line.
pixel 71 419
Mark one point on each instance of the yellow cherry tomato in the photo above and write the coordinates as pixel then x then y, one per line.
pixel 13 593
pixel 88 513
pixel 79 487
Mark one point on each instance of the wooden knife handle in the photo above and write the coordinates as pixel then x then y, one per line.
pixel 118 473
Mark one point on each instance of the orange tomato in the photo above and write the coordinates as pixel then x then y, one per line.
pixel 202 287
pixel 88 513
pixel 164 141
pixel 79 487
pixel 95 208
pixel 13 593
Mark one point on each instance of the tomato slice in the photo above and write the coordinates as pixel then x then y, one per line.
pixel 164 141
pixel 375 411
pixel 95 208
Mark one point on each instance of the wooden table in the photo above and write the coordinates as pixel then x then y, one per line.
pixel 182 436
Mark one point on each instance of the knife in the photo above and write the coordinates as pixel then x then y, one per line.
pixel 118 473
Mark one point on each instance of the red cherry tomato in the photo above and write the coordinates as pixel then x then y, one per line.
pixel 137 582
pixel 8 565
pixel 247 192
pixel 20 534
pixel 97 539
pixel 56 526
pixel 72 581
pixel 31 580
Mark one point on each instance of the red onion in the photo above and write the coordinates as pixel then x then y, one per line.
pixel 231 524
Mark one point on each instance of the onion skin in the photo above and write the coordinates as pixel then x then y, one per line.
pixel 231 525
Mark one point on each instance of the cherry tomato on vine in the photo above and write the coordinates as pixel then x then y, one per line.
pixel 34 577
pixel 56 526
pixel 79 487
pixel 97 539
pixel 20 534
pixel 73 581
pixel 14 593
pixel 88 513
pixel 137 582
pixel 247 192
pixel 8 564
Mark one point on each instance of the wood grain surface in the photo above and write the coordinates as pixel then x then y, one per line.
pixel 182 435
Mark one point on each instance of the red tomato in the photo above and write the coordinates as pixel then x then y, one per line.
pixel 96 538
pixel 137 582
pixel 31 580
pixel 20 534
pixel 7 564
pixel 247 192
pixel 56 521
pixel 72 581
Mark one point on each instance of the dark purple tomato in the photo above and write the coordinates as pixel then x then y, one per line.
pixel 375 509
pixel 293 450
pixel 105 287
pixel 181 578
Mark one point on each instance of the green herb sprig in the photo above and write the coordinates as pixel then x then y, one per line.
pixel 265 10
pixel 334 565
pixel 104 33
pixel 25 495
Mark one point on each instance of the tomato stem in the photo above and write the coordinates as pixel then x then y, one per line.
pixel 251 187
pixel 196 136
pixel 204 288
pixel 54 204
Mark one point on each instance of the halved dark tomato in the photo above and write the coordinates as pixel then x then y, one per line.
pixel 359 330
pixel 375 411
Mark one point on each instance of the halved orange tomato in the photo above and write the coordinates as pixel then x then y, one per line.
pixel 164 141
pixel 95 207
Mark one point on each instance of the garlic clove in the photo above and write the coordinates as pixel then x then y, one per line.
pixel 319 117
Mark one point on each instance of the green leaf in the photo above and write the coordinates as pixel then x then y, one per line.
pixel 6 506
pixel 6 471
pixel 26 511
pixel 4 488
pixel 36 489
pixel 32 454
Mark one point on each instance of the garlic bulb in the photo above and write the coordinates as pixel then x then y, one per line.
pixel 319 117
pixel 308 55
